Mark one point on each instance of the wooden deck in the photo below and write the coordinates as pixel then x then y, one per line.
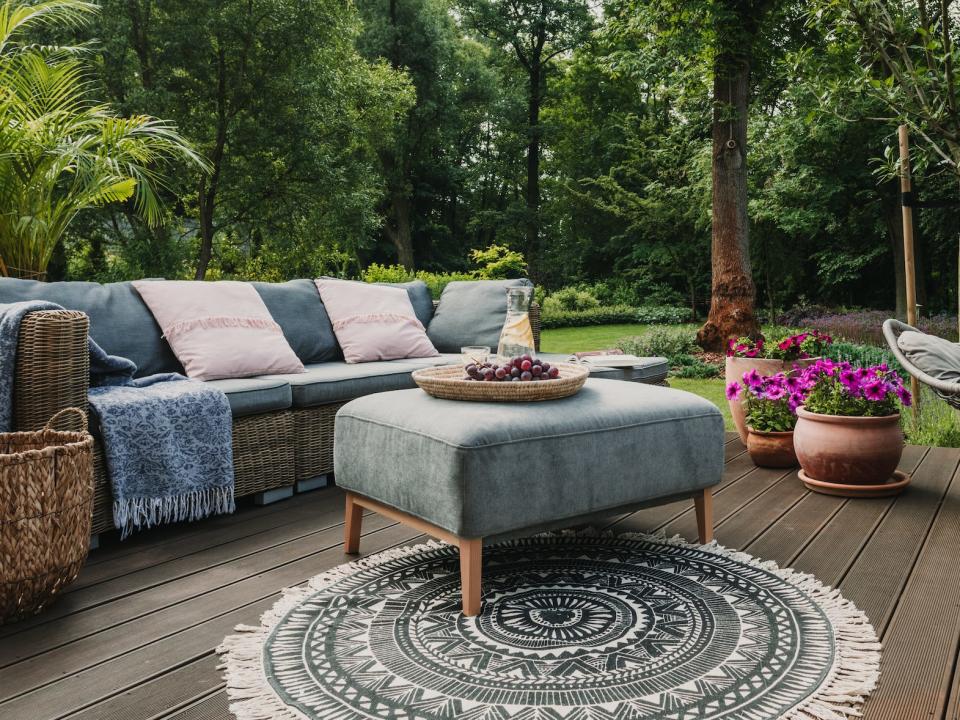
pixel 134 638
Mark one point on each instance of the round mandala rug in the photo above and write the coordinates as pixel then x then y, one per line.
pixel 573 627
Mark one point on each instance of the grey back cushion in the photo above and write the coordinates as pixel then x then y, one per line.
pixel 120 322
pixel 420 298
pixel 297 308
pixel 937 357
pixel 471 313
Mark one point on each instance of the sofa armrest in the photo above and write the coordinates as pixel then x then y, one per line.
pixel 52 368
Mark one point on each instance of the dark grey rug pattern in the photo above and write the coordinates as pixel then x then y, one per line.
pixel 573 627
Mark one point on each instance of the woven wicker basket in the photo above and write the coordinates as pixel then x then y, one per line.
pixel 46 490
pixel 447 383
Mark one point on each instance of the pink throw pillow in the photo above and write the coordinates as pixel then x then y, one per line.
pixel 374 322
pixel 218 329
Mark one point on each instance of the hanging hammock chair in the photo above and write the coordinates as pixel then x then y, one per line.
pixel 947 389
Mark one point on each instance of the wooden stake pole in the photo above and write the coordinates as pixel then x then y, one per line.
pixel 906 187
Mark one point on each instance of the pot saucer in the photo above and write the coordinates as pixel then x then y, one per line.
pixel 897 482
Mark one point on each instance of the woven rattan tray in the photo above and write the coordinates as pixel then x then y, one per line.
pixel 447 383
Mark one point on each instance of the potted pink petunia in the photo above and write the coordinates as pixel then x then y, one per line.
pixel 770 404
pixel 785 354
pixel 848 428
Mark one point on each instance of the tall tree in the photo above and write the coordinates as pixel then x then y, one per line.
pixel 901 58
pixel 277 97
pixel 536 32
pixel 434 139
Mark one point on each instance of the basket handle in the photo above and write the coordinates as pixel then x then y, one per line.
pixel 66 411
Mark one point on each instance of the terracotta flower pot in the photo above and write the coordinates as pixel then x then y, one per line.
pixel 771 449
pixel 848 450
pixel 736 367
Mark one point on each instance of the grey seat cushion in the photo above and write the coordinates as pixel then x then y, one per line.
pixel 333 382
pixel 470 313
pixel 937 357
pixel 297 308
pixel 250 396
pixel 120 322
pixel 482 469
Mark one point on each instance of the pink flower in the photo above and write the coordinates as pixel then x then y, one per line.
pixel 774 392
pixel 904 395
pixel 850 381
pixel 794 401
pixel 752 378
pixel 793 384
pixel 734 390
pixel 875 391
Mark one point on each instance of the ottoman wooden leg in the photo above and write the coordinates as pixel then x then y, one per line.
pixel 471 554
pixel 351 526
pixel 703 502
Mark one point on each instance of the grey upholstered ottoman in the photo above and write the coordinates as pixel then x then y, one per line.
pixel 467 472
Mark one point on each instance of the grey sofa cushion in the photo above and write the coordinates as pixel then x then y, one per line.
pixel 120 322
pixel 333 382
pixel 250 396
pixel 297 308
pixel 470 313
pixel 420 298
pixel 483 469
pixel 937 357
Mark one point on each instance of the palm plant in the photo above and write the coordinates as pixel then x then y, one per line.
pixel 61 153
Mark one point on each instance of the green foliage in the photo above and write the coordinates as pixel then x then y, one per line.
pixel 692 367
pixel 671 343
pixel 569 298
pixel 595 316
pixel 770 415
pixel 498 262
pixel 60 152
pixel 399 274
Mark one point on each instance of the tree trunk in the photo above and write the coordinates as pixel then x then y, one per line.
pixel 893 215
pixel 207 194
pixel 533 170
pixel 398 228
pixel 732 312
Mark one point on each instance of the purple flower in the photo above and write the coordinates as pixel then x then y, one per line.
pixel 794 401
pixel 774 392
pixel 875 391
pixel 850 381
pixel 752 378
pixel 793 384
pixel 904 395
pixel 734 390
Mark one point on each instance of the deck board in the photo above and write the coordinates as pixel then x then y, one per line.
pixel 135 637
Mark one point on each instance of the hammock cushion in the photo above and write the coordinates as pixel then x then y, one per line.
pixel 935 356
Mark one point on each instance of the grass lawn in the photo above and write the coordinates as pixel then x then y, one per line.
pixel 592 337
pixel 598 337
pixel 711 389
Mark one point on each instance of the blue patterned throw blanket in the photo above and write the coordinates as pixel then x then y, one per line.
pixel 167 440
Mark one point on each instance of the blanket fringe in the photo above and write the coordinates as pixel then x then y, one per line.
pixel 854 676
pixel 145 512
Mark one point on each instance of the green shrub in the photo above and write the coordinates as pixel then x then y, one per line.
pixel 662 315
pixel 399 274
pixel 675 344
pixel 569 298
pixel 692 367
pixel 498 262
pixel 594 316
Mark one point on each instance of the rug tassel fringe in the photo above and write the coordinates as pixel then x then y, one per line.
pixel 854 676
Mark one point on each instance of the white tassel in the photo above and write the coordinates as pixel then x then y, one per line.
pixel 141 512
pixel 854 676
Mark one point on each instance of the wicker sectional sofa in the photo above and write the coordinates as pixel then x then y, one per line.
pixel 282 425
